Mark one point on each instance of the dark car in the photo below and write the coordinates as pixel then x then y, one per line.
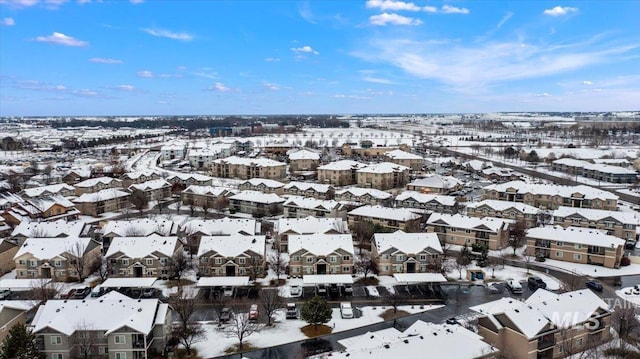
pixel 316 346
pixel 452 321
pixel 594 285
pixel 535 283
pixel 81 293
pixel 225 315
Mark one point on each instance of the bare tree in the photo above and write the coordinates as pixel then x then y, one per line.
pixel 178 264
pixel 241 327
pixel 102 267
pixel 529 256
pixel 365 265
pixel 517 234
pixel 271 302
pixel 85 338
pixel 277 263
pixel 625 322
pixel 43 289
pixel 393 300
pixel 206 207
pixel 363 231
pixel 189 331
pixel 78 261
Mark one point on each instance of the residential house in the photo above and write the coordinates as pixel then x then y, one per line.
pixel 53 229
pixel 546 325
pixel 194 230
pixel 8 199
pixel 202 158
pixel 300 207
pixel 8 250
pixel 401 252
pixel 303 160
pixel 370 196
pixel 41 209
pixel 141 227
pixel 173 151
pixel 256 203
pixel 143 257
pixel 154 190
pixel 97 184
pixel 130 178
pixel 263 185
pixel 392 218
pixel 550 196
pixel 308 189
pixel 76 175
pixel 184 180
pixel 320 254
pixel 234 255
pixel 435 184
pixel 107 200
pixel 61 189
pixel 504 209
pixel 459 230
pixel 277 149
pixel 429 202
pixel 500 174
pixel 57 258
pixel 285 227
pixel 14 312
pixel 197 196
pixel 384 175
pixel 245 168
pixel 339 173
pixel 616 223
pixel 596 171
pixel 407 159
pixel 117 327
pixel 576 245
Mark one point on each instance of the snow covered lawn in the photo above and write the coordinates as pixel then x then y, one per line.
pixel 591 270
pixel 286 331
pixel 630 294
pixel 508 272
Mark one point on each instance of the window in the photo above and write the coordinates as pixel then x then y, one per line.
pixel 295 259
pixel 385 268
pixel 57 263
pixel 423 257
pixel 163 261
pixel 385 256
pixel 577 246
pixel 296 269
pixel 149 262
pixel 345 269
pixel 559 243
pixel 399 258
pixel 33 263
pixel 242 260
pixel 119 339
pixel 309 259
pixel 125 262
pixel 577 256
pixel 121 355
pixel 150 273
pixel 346 258
pixel 57 356
pixel 559 254
pixel 218 260
pixel 579 341
pixel 56 339
pixel 21 262
pixel 333 259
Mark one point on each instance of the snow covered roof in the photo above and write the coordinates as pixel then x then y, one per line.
pixel 396 214
pixel 304 186
pixel 257 197
pixel 141 227
pixel 185 177
pixel 50 189
pixel 304 155
pixel 224 226
pixel 231 246
pixel 320 244
pixel 95 181
pixel 207 190
pixel 263 181
pixel 601 167
pixel 477 165
pixel 407 242
pixel 436 181
pixel 476 223
pixel 260 162
pixel 409 278
pixel 103 195
pixel 108 315
pixel 8 199
pixel 426 198
pixel 150 185
pixel 588 236
pixel 24 305
pixel 504 205
pixel 127 283
pixel 311 203
pixel 402 155
pixel 140 247
pixel 310 225
pixel 342 165
pixel 383 167
pixel 311 279
pixel 236 281
pixel 551 190
pixel 598 214
pixel 137 174
pixel 48 229
pixel 47 248
pixel 527 319
pixel 359 192
pixel 22 284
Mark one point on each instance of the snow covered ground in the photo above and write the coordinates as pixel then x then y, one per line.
pixel 286 331
pixel 507 272
pixel 591 270
pixel 630 294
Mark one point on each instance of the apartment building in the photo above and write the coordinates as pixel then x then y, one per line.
pixel 205 195
pixel 41 209
pixel 370 196
pixel 96 184
pixel 142 257
pixel 234 255
pixel 202 158
pixel 620 224
pixel 106 200
pixel 300 207
pixel 401 252
pixel 263 185
pixel 392 218
pixel 459 230
pixel 504 209
pixel 194 230
pixel 60 189
pixel 546 325
pixel 256 203
pixel 173 151
pixel 435 184
pixel 308 189
pixel 111 327
pixel 429 202
pixel 339 173
pixel 407 159
pixel 320 254
pixel 154 190
pixel 596 171
pixel 130 178
pixel 303 160
pixel 576 245
pixel 8 250
pixel 548 196
pixel 14 312
pixel 245 168
pixel 382 176
pixel 285 227
pixel 187 179
pixel 370 148
pixel 139 227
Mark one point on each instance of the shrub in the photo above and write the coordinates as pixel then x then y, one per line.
pixel 625 261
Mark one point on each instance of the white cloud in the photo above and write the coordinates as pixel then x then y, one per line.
pixel 206 74
pixel 125 88
pixel 136 1
pixel 588 83
pixel 7 21
pixel 271 87
pixel 432 9
pixel 145 73
pixel 448 9
pixel 20 3
pixel 55 2
pixel 218 87
pixel 272 59
pixel 560 11
pixel 182 36
pixel 385 19
pixel 85 93
pixel 305 49
pixel 504 19
pixel 392 5
pixel 102 60
pixel 61 39
pixel 81 2
pixel 377 80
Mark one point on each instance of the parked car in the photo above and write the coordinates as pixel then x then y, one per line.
pixel 346 311
pixel 321 290
pixel 5 294
pixel 292 311
pixel 97 291
pixel 82 293
pixel 348 289
pixel 594 285
pixel 535 283
pixel 295 291
pixel 68 294
pixel 452 321
pixel 514 286
pixel 253 312
pixel 148 292
pixel 225 315
pixel 372 291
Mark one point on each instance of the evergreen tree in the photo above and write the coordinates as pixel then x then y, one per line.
pixel 20 344
pixel 316 311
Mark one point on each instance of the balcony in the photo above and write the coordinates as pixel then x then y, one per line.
pixel 546 342
pixel 543 244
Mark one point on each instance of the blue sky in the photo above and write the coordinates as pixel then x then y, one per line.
pixel 152 57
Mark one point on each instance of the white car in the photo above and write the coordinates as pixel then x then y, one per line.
pixel 295 291
pixel 514 286
pixel 372 291
pixel 346 311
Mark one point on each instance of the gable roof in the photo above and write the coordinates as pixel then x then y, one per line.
pixel 214 191
pixel 260 162
pixel 150 185
pixel 47 248
pixel 311 203
pixel 48 229
pixel 359 192
pixel 257 197
pixel 140 247
pixel 551 190
pixel 459 221
pixel 223 226
pixel 140 227
pixel 320 244
pixel 303 186
pixel 502 206
pixel 342 165
pixel 598 214
pixel 395 214
pixel 426 198
pixel 383 167
pixel 304 155
pixel 103 195
pixel 50 189
pixel 95 181
pixel 588 236
pixel 402 155
pixel 232 246
pixel 407 242
pixel 310 225
pixel 263 181
pixel 436 181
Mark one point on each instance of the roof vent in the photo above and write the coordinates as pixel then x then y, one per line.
pixel 386 346
pixel 139 310
pixel 406 341
pixel 58 310
pixel 517 310
pixel 435 334
pixel 421 337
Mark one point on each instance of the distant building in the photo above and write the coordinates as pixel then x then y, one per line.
pixel 504 209
pixel 430 202
pixel 460 230
pixel 303 160
pixel 392 218
pixel 401 252
pixel 435 184
pixel 245 168
pixel 620 224
pixel 600 171
pixel 263 185
pixel 385 175
pixel 370 196
pixel 339 173
pixel 407 159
